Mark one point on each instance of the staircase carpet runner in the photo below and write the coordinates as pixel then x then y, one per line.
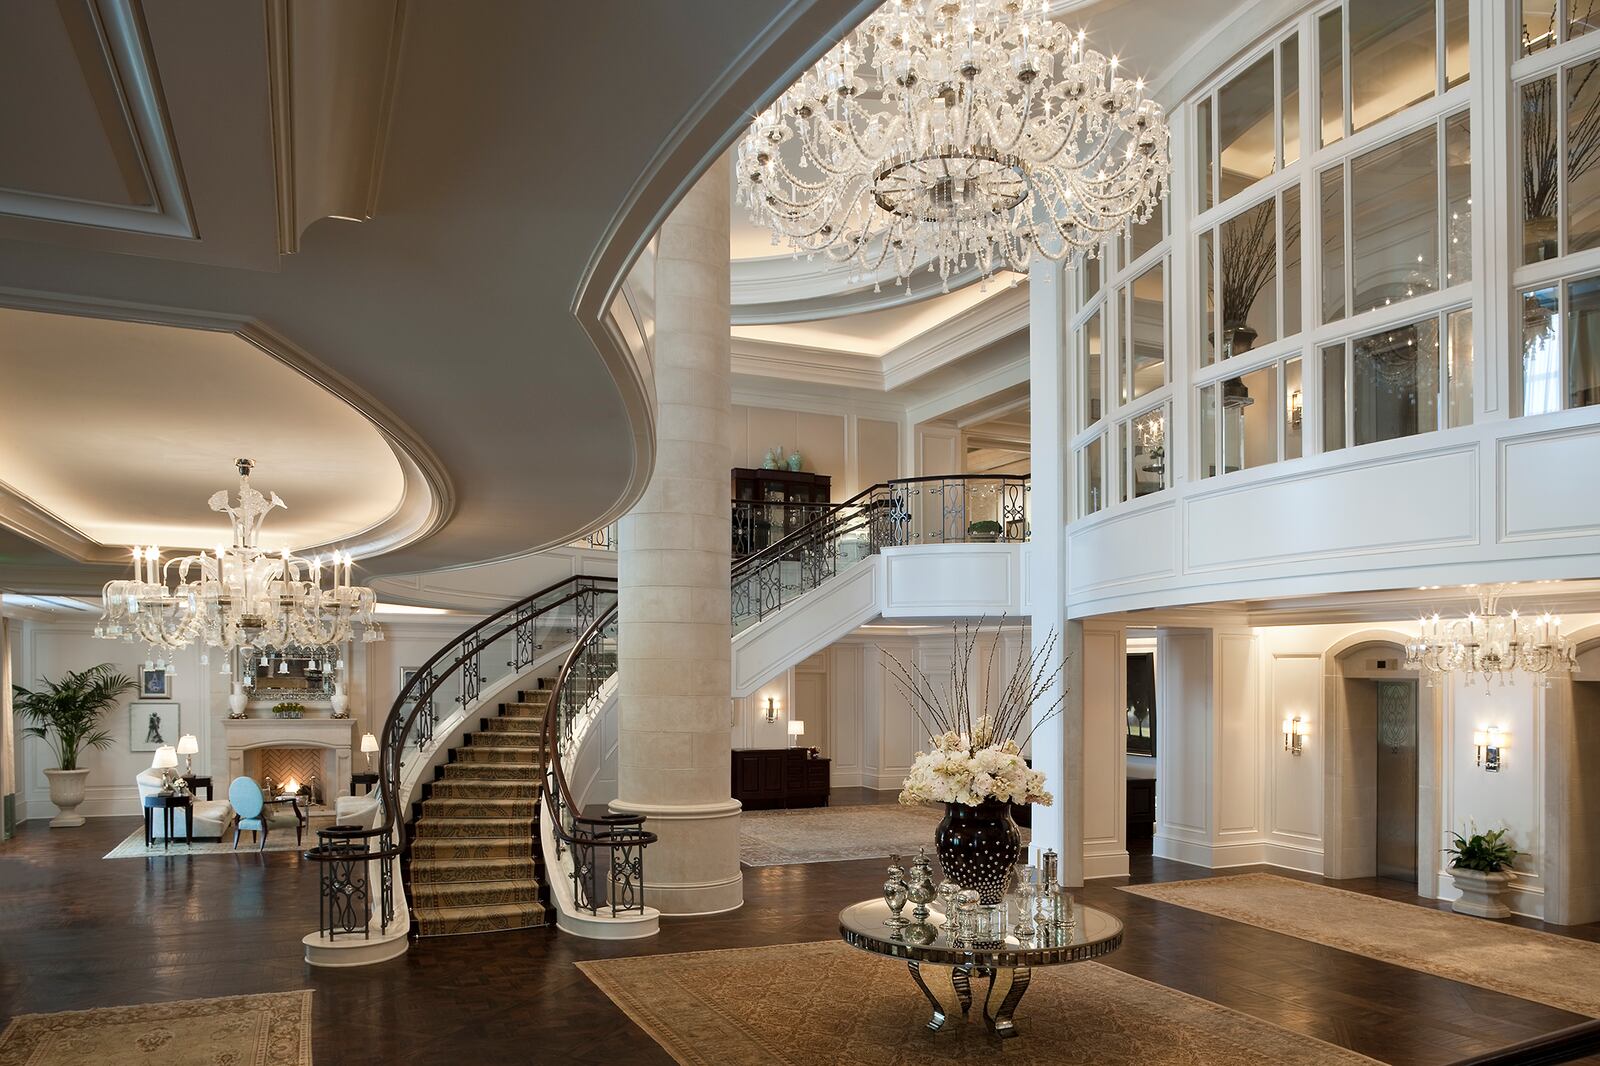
pixel 474 867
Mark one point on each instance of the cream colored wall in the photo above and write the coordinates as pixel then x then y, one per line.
pixel 854 450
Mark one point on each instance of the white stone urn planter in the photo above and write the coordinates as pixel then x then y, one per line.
pixel 66 792
pixel 238 700
pixel 340 700
pixel 1482 893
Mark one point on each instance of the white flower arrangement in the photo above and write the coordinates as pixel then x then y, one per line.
pixel 977 757
pixel 957 772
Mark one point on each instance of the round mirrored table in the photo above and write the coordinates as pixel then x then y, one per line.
pixel 944 967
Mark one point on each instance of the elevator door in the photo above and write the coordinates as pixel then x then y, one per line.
pixel 1397 779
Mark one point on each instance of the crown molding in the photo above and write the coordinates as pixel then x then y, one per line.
pixel 955 338
pixel 795 362
pixel 783 289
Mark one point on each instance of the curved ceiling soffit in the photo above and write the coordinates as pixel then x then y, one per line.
pixel 1251 21
pixel 428 498
pixel 792 41
pixel 781 289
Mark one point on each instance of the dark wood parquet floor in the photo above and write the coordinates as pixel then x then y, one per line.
pixel 77 931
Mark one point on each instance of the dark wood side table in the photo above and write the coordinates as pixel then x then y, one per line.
pixel 367 781
pixel 168 804
pixel 199 781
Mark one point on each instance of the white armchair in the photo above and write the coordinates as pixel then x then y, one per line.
pixel 210 816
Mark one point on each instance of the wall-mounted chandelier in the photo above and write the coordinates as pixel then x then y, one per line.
pixel 240 596
pixel 1489 645
pixel 955 133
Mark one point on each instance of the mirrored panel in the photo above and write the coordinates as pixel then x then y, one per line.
pixel 1583 343
pixel 1246 127
pixel 1147 470
pixel 1289 96
pixel 1393 57
pixel 1330 70
pixel 1583 152
pixel 1394 386
pixel 1090 344
pixel 1394 212
pixel 1250 419
pixel 1248 280
pixel 1333 411
pixel 1294 409
pixel 1333 275
pixel 1539 142
pixel 1540 379
pixel 1146 340
pixel 1458 366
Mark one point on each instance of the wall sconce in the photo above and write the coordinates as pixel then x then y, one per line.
pixel 1297 407
pixel 1294 734
pixel 1489 742
pixel 772 710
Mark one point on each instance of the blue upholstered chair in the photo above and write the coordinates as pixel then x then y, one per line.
pixel 252 811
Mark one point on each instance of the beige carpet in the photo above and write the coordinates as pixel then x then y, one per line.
pixel 280 839
pixel 1546 968
pixel 826 1003
pixel 832 834
pixel 273 1029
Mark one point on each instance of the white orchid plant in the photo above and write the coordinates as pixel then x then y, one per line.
pixel 976 754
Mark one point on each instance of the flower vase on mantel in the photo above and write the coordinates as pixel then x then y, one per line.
pixel 340 700
pixel 238 700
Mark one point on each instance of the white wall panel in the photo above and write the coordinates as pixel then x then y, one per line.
pixel 1294 808
pixel 1237 784
pixel 951 580
pixel 1136 546
pixel 1538 475
pixel 1412 501
pixel 1105 731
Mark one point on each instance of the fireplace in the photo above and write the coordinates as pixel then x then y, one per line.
pixel 292 747
pixel 288 768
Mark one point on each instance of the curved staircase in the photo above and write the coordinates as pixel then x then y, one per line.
pixel 474 867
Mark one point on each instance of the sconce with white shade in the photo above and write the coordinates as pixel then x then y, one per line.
pixel 772 710
pixel 796 728
pixel 188 747
pixel 1295 730
pixel 166 760
pixel 369 744
pixel 1489 743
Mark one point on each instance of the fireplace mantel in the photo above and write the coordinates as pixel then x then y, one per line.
pixel 332 734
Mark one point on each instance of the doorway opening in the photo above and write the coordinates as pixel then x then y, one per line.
pixel 1396 814
pixel 1141 742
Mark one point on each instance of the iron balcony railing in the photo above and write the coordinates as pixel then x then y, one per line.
pixel 523 633
pixel 961 508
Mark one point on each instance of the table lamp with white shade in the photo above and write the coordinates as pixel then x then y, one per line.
pixel 369 744
pixel 796 728
pixel 188 747
pixel 166 761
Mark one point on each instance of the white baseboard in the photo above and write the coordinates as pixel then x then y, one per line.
pixel 100 801
pixel 1293 857
pixel 1108 864
pixel 845 778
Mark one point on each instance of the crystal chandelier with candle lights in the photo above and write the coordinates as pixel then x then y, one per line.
pixel 1489 645
pixel 240 596
pixel 955 133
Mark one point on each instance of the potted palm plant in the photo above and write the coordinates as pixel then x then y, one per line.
pixel 66 715
pixel 1480 866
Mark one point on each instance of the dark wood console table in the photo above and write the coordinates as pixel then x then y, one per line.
pixel 770 778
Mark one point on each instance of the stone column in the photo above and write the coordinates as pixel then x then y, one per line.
pixel 674 668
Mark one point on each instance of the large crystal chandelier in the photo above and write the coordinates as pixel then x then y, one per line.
pixel 1489 645
pixel 955 133
pixel 240 596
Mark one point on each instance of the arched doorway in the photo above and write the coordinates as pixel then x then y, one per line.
pixel 1381 766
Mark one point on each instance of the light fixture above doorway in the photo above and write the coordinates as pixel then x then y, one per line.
pixel 1492 645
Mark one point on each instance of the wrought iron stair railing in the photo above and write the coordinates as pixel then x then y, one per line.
pixel 603 855
pixel 960 508
pixel 524 632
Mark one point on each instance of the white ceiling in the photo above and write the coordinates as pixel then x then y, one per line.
pixel 157 416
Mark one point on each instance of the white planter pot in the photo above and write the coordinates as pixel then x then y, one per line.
pixel 66 792
pixel 1482 894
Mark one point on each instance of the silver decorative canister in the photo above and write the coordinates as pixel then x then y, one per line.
pixel 895 894
pixel 919 886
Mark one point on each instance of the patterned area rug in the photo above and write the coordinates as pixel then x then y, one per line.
pixel 263 1030
pixel 828 1003
pixel 832 834
pixel 280 839
pixel 1554 970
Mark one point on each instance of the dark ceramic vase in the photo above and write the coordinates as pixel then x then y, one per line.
pixel 978 847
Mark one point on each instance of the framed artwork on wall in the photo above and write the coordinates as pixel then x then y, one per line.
pixel 153 685
pixel 1141 704
pixel 153 723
